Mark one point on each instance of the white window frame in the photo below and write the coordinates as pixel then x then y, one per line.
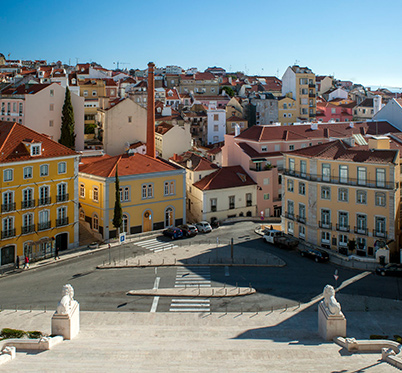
pixel 8 175
pixel 28 172
pixel 60 168
pixel 42 168
pixel 95 194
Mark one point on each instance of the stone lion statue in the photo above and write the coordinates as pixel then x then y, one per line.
pixel 330 303
pixel 67 300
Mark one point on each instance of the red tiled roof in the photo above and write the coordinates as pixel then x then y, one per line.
pixel 12 148
pixel 92 159
pixel 135 164
pixel 339 150
pixel 198 163
pixel 225 177
pixel 25 90
pixel 252 153
pixel 136 145
pixel 163 128
pixel 324 130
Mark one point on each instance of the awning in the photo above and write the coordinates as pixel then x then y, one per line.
pixel 258 160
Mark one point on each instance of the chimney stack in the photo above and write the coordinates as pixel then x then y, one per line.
pixel 151 111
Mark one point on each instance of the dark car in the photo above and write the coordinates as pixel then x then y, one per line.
pixel 189 230
pixel 316 254
pixel 390 270
pixel 173 233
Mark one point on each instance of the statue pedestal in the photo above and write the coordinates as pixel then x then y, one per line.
pixel 329 325
pixel 67 325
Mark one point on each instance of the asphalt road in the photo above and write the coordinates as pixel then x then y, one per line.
pixel 105 290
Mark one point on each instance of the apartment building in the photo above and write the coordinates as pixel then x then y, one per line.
pixel 299 83
pixel 343 197
pixel 39 207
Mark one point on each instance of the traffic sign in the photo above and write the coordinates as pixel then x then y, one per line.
pixel 336 277
pixel 122 237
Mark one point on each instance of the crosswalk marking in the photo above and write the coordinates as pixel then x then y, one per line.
pixel 191 277
pixel 155 245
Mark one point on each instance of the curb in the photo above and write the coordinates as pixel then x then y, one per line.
pixel 188 264
pixel 212 292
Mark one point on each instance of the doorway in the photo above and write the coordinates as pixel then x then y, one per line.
pixel 147 221
pixel 62 241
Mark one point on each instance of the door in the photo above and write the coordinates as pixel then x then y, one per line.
pixel 62 241
pixel 147 221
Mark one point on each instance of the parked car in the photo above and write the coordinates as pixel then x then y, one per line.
pixel 203 227
pixel 390 270
pixel 173 233
pixel 280 239
pixel 93 245
pixel 316 254
pixel 189 230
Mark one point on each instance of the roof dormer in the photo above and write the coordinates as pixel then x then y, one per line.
pixel 35 148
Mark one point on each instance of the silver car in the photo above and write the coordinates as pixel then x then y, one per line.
pixel 203 227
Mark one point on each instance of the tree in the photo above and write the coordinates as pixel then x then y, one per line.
pixel 251 114
pixel 118 212
pixel 229 90
pixel 67 136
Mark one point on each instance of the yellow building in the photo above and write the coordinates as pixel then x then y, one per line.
pixel 287 111
pixel 345 198
pixel 299 83
pixel 152 193
pixel 39 207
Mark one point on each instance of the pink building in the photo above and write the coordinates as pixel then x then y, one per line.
pixel 259 149
pixel 328 111
pixel 39 106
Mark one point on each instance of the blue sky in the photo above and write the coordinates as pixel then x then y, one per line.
pixel 354 40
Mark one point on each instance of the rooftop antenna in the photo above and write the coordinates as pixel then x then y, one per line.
pixel 277 73
pixel 296 62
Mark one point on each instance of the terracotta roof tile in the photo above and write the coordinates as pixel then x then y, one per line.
pixel 135 164
pixel 225 177
pixel 12 148
pixel 198 163
pixel 25 89
pixel 163 127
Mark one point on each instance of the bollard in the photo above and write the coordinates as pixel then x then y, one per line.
pixel 163 261
pixel 226 312
pixel 174 261
pixel 30 308
pixel 15 308
pixel 238 290
pixel 241 309
pixel 226 291
pixel 199 290
pixel 45 309
pixel 213 292
pixel 138 262
pixel 126 262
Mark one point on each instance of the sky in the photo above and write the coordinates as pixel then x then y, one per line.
pixel 353 40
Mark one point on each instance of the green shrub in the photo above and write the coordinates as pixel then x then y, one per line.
pixel 11 333
pixel 34 334
pixel 398 338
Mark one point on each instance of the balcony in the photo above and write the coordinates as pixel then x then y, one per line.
pixel 289 215
pixel 325 225
pixel 62 197
pixel 381 234
pixel 44 201
pixel 213 208
pixel 311 85
pixel 312 95
pixel 301 219
pixel 7 233
pixel 28 204
pixel 62 221
pixel 340 180
pixel 360 230
pixel 28 229
pixel 43 226
pixel 342 228
pixel 7 207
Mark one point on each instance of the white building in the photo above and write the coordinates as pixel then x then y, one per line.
pixel 216 124
pixel 391 112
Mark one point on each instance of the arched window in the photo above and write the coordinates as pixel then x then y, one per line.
pixel 124 225
pixel 95 222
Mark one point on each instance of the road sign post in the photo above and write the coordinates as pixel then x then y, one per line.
pixel 122 237
pixel 336 276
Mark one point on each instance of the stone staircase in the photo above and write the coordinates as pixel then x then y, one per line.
pixel 87 235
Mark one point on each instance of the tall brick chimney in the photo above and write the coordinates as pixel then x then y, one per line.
pixel 151 111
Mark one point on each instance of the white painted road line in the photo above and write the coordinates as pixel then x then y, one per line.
pixel 191 300
pixel 189 310
pixel 156 299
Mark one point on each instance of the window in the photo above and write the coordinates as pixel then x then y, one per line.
pixel 51 93
pixel 361 224
pixel 28 172
pixel 95 222
pixel 62 218
pixel 62 167
pixel 213 204
pixel 124 223
pixel 343 240
pixel 303 168
pixel 27 223
pixel 291 165
pixel 82 190
pixel 264 148
pixel 291 147
pixel 333 111
pixel 27 198
pixel 51 107
pixel 290 227
pixel 231 202
pixel 343 220
pixel 361 197
pixel 291 209
pixel 326 172
pixel 51 123
pixel 62 192
pixel 8 202
pixel 302 231
pixel 343 174
pixel 44 220
pixel 44 198
pixel 302 211
pixel 290 185
pixel 95 194
pixel 380 226
pixel 285 106
pixel 380 177
pixel 93 93
pixel 380 199
pixel 302 189
pixel 216 128
pixel 325 218
pixel 8 227
pixel 216 117
pixel 130 119
pixel 361 175
pixel 325 237
pixel 249 199
pixel 325 192
pixel 277 148
pixel 343 195
pixel 147 191
pixel 85 93
pixel 35 149
pixel 266 196
pixel 361 243
pixel 124 194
